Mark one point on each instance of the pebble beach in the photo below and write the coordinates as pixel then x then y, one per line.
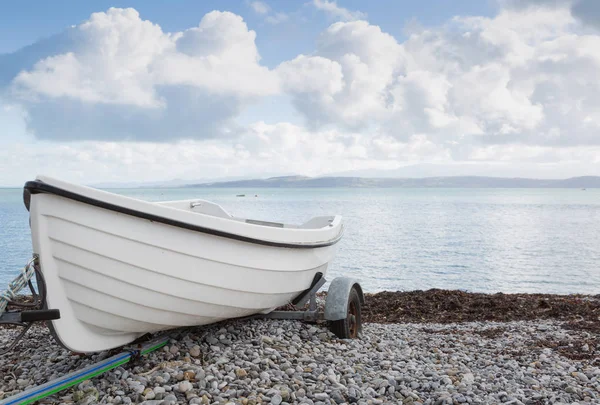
pixel 553 359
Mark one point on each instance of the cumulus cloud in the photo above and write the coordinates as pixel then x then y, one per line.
pixel 124 78
pixel 523 76
pixel 345 81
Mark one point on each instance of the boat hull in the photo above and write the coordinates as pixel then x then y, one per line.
pixel 116 277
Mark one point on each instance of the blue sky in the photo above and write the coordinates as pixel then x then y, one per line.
pixel 150 91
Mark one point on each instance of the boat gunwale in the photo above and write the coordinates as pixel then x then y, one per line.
pixel 40 187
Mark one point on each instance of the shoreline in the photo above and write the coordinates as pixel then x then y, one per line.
pixel 419 347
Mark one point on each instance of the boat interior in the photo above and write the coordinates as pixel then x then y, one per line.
pixel 208 208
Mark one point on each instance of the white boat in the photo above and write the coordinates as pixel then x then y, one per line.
pixel 118 267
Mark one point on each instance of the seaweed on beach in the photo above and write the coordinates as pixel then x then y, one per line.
pixel 577 312
pixel 448 306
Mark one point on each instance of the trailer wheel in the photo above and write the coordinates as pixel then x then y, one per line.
pixel 350 326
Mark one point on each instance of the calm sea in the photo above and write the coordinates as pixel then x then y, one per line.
pixel 484 240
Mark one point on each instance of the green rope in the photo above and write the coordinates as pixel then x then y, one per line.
pixel 17 284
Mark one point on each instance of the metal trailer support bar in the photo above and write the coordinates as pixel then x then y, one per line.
pixel 310 296
pixel 36 393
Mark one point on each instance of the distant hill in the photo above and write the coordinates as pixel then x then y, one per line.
pixel 439 182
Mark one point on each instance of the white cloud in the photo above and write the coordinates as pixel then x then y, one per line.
pixel 275 149
pixel 277 18
pixel 524 76
pixel 260 7
pixel 337 12
pixel 219 55
pixel 260 148
pixel 312 74
pixel 358 60
pixel 111 66
pixel 153 85
pixel 267 12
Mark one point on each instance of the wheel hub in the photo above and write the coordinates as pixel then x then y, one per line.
pixel 352 323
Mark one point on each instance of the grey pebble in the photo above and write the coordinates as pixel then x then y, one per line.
pixel 321 396
pixel 281 362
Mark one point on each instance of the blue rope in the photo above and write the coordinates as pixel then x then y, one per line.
pixel 17 284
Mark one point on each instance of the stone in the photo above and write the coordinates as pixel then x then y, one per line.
pixel 571 390
pixel 149 394
pixel 78 395
pixel 184 386
pixel 170 398
pixel 468 379
pixel 337 397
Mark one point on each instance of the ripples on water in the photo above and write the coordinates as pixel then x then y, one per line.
pixel 485 240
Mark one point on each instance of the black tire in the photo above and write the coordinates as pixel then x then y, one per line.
pixel 349 327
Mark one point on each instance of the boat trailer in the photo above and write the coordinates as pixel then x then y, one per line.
pixel 37 310
pixel 342 311
pixel 343 305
